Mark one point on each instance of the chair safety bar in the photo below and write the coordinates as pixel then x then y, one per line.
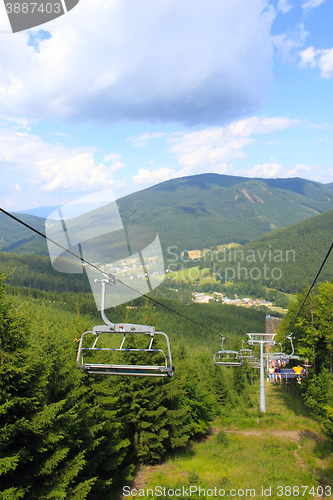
pixel 164 370
pixel 227 358
pixel 254 363
pixel 126 329
pixel 246 353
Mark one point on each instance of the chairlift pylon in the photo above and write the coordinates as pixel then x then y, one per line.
pixel 111 355
pixel 227 357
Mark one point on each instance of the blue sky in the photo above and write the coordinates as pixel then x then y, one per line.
pixel 127 94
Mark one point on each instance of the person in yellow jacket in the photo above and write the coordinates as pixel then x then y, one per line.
pixel 298 372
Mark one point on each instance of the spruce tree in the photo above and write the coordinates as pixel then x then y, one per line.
pixel 39 455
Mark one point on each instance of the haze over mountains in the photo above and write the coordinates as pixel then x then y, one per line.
pixel 200 211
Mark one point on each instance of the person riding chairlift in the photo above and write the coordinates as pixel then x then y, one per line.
pixel 277 372
pixel 298 372
pixel 271 370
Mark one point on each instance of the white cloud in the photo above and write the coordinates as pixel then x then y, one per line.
pixel 274 170
pixel 188 61
pixel 311 4
pixel 142 139
pixel 62 134
pixel 213 148
pixel 16 121
pixel 270 169
pixel 325 63
pixel 29 162
pixel 287 43
pixel 146 176
pixel 299 170
pixel 308 58
pixel 284 6
pixel 116 164
pixel 76 171
pixel 321 58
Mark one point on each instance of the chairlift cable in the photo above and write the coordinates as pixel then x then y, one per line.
pixel 169 308
pixel 58 244
pixel 112 278
pixel 308 292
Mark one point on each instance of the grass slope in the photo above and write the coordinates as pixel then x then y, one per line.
pixel 251 453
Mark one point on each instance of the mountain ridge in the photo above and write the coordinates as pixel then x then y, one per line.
pixel 201 210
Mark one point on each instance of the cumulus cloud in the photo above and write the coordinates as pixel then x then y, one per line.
pixel 273 170
pixel 311 4
pixel 189 61
pixel 146 176
pixel 287 43
pixel 217 149
pixel 214 147
pixel 141 140
pixel 321 58
pixel 308 58
pixel 284 6
pixel 47 167
pixel 116 164
pixel 270 169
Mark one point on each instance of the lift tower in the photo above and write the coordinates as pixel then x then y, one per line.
pixel 267 339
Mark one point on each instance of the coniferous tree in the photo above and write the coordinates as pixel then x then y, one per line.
pixel 60 436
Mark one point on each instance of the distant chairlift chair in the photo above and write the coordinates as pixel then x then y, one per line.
pixel 165 369
pixel 227 358
pixel 246 353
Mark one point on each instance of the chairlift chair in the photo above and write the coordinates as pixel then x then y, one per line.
pixel 255 363
pixel 246 353
pixel 306 363
pixel 110 355
pixel 227 357
pixel 277 354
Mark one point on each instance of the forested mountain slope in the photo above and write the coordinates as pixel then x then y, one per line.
pixel 289 257
pixel 200 211
pixel 209 209
pixel 285 259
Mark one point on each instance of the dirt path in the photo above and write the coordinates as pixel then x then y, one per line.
pixel 293 435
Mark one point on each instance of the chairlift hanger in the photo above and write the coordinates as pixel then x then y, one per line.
pixel 283 355
pixel 227 357
pixel 277 354
pixel 291 355
pixel 165 369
